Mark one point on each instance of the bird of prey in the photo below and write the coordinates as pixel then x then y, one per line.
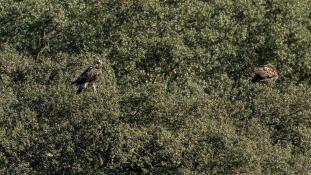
pixel 89 77
pixel 265 73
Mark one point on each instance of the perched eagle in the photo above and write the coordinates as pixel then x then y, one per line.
pixel 265 73
pixel 89 77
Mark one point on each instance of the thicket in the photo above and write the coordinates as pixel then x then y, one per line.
pixel 175 96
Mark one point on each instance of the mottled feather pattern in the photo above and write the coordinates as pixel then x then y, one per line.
pixel 89 77
pixel 265 73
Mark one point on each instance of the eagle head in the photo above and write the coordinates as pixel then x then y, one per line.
pixel 98 61
pixel 98 64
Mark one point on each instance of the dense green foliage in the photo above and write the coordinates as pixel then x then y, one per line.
pixel 175 96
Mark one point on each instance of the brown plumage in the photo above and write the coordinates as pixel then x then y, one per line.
pixel 89 77
pixel 265 73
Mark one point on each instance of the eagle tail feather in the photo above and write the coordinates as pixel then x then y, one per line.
pixel 79 90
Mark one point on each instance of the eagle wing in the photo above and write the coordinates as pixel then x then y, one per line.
pixel 265 72
pixel 91 74
pixel 83 77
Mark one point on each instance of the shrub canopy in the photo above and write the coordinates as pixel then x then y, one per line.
pixel 175 96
